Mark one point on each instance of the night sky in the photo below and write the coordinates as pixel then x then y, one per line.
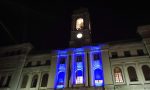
pixel 47 25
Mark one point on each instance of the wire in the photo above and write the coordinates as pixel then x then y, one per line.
pixel 10 35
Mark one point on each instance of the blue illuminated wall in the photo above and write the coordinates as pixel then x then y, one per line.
pixel 96 69
pixel 78 67
pixel 60 71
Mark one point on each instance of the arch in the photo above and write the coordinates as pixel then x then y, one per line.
pixel 44 80
pixel 24 81
pixel 97 73
pixel 146 72
pixel 132 73
pixel 79 77
pixel 61 77
pixel 98 77
pixel 79 23
pixel 34 81
pixel 118 75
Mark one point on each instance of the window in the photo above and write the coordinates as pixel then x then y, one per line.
pixel 29 64
pixel 79 59
pixel 8 81
pixel 127 53
pixel 132 74
pixel 98 77
pixel 61 80
pixel 118 75
pixel 79 77
pixel 2 81
pixel 146 72
pixel 24 81
pixel 114 55
pixel 96 56
pixel 38 63
pixel 44 80
pixel 47 62
pixel 34 81
pixel 62 60
pixel 79 24
pixel 140 52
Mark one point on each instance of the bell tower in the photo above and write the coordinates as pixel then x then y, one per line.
pixel 81 31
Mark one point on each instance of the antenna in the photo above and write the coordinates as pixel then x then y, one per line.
pixel 7 31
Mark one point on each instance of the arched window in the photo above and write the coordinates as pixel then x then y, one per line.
pixel 118 75
pixel 44 80
pixel 132 74
pixel 61 80
pixel 146 72
pixel 79 24
pixel 34 81
pixel 79 77
pixel 98 77
pixel 24 81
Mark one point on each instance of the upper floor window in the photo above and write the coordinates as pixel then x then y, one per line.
pixel 96 56
pixel 38 63
pixel 132 73
pixel 29 64
pixel 44 80
pixel 47 62
pixel 34 81
pixel 79 59
pixel 62 60
pixel 24 81
pixel 118 75
pixel 127 53
pixel 114 54
pixel 140 52
pixel 79 23
pixel 146 72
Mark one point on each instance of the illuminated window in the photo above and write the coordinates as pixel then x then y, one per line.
pixel 24 81
pixel 79 70
pixel 34 81
pixel 118 75
pixel 79 24
pixel 132 74
pixel 98 77
pixel 61 72
pixel 79 77
pixel 61 78
pixel 146 72
pixel 44 80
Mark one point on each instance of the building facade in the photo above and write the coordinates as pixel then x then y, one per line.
pixel 122 65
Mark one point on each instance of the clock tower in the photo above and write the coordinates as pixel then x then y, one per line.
pixel 81 31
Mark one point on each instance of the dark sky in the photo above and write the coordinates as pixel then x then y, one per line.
pixel 47 25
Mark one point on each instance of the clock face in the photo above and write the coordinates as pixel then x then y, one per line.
pixel 79 35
